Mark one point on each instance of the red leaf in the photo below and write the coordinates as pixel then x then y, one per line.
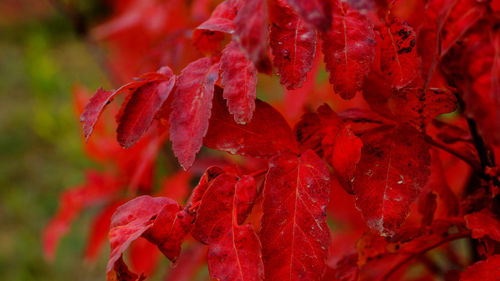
pixel 102 98
pixel 295 236
pixel 208 35
pixel 267 134
pixel 141 108
pixel 205 181
pixel 487 270
pixel 345 155
pixel 234 249
pixel 349 49
pixel 239 78
pixel 93 109
pixel 417 106
pixel 308 132
pixel 251 32
pixel 315 12
pixel 393 169
pixel 327 134
pixel 399 61
pixel 191 109
pixel 293 44
pixel 483 223
pixel 421 106
pixel 169 229
pixel 131 220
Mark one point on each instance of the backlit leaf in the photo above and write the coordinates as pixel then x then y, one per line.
pixel 267 134
pixel 251 32
pixel 191 109
pixel 393 170
pixel 349 49
pixel 315 12
pixel 399 61
pixel 131 220
pixel 293 44
pixel 295 236
pixel 141 108
pixel 239 78
pixel 233 249
pixel 208 35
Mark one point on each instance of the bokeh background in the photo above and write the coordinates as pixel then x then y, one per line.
pixel 42 57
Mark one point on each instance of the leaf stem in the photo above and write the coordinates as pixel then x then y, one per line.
pixel 446 239
pixel 472 162
pixel 258 173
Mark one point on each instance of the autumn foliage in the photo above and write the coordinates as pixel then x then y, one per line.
pixel 372 173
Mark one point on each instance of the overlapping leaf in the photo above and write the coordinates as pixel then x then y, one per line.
pixel 234 249
pixel 93 109
pixel 315 12
pixel 142 107
pixel 399 61
pixel 149 86
pixel 393 170
pixel 191 109
pixel 239 78
pixel 159 219
pixel 327 134
pixel 251 32
pixel 344 155
pixel 417 106
pixel 349 49
pixel 295 236
pixel 267 134
pixel 208 35
pixel 293 44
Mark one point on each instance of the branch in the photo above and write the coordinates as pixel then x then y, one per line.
pixel 485 154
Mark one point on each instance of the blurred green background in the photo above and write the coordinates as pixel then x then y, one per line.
pixel 41 59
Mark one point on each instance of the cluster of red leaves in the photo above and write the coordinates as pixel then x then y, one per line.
pixel 367 193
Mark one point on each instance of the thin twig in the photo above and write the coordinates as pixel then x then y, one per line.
pixel 449 238
pixel 472 162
